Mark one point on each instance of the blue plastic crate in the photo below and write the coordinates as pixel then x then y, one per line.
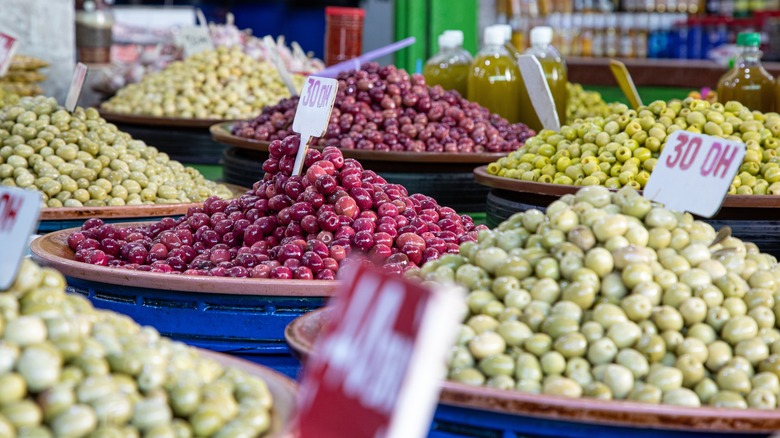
pixel 247 326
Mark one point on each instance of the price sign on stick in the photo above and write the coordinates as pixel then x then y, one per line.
pixel 195 39
pixel 626 83
pixel 19 211
pixel 694 172
pixel 8 45
pixel 375 371
pixel 76 85
pixel 313 113
pixel 539 91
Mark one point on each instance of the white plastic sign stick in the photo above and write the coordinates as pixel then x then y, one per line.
pixel 539 91
pixel 8 45
pixel 202 22
pixel 313 113
pixel 381 358
pixel 76 85
pixel 19 210
pixel 273 54
pixel 694 172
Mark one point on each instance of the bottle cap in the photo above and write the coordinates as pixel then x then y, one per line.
pixel 454 35
pixel 506 31
pixel 448 41
pixel 749 39
pixel 541 35
pixel 494 36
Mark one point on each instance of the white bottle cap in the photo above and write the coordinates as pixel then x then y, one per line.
pixel 541 35
pixel 494 36
pixel 447 41
pixel 506 31
pixel 454 35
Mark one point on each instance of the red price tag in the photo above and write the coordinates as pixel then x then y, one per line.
pixel 8 45
pixel 313 113
pixel 19 211
pixel 694 172
pixel 376 370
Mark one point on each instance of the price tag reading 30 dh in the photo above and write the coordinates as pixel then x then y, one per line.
pixel 313 113
pixel 694 172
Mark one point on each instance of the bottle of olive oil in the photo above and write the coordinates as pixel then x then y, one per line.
pixel 450 67
pixel 494 79
pixel 747 82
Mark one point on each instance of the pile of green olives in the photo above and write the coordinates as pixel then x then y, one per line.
pixel 621 149
pixel 608 295
pixel 584 103
pixel 69 370
pixel 77 159
pixel 213 84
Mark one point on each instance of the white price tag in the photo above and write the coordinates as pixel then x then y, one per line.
pixel 539 91
pixel 194 39
pixel 694 172
pixel 313 113
pixel 76 85
pixel 8 45
pixel 19 210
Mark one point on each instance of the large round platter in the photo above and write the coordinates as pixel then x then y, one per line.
pixel 52 250
pixel 283 390
pixel 53 219
pixel 137 119
pixel 302 332
pixel 222 133
pixel 483 177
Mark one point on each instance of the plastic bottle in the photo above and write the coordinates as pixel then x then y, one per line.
pixel 494 79
pixel 611 37
pixel 599 30
pixel 627 34
pixel 94 22
pixel 450 67
pixel 640 42
pixel 554 71
pixel 748 82
pixel 506 31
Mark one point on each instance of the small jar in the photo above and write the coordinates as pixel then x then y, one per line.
pixel 343 34
pixel 94 21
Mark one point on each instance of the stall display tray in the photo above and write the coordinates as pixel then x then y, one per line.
pixel 222 133
pixel 185 140
pixel 470 411
pixel 752 218
pixel 240 316
pixel 282 388
pixel 60 218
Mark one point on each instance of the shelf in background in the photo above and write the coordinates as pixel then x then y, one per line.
pixel 688 73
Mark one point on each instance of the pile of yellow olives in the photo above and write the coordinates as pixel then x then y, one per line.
pixel 77 159
pixel 611 296
pixel 68 370
pixel 584 103
pixel 622 149
pixel 214 84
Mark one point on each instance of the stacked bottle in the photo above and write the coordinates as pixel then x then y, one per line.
pixel 748 82
pixel 450 67
pixel 494 77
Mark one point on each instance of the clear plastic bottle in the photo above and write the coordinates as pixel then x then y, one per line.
pixel 748 82
pixel 450 67
pixel 554 71
pixel 611 37
pixel 627 33
pixel 494 79
pixel 599 34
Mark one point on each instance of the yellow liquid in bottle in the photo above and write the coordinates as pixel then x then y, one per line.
pixel 555 72
pixel 449 76
pixel 494 82
pixel 750 86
